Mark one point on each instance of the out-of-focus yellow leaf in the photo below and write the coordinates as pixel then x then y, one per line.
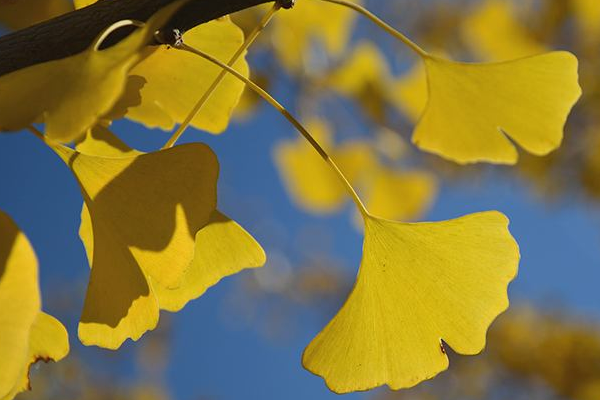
pixel 588 17
pixel 144 210
pixel 312 184
pixel 493 32
pixel 27 334
pixel 70 95
pixel 366 66
pixel 223 248
pixel 177 79
pixel 418 284
pixel 473 109
pixel 365 77
pixel 19 14
pixel 294 31
pixel 399 195
pixel 309 180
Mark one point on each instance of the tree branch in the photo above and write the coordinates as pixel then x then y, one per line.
pixel 72 33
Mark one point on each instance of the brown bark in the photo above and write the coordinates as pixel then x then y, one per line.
pixel 73 32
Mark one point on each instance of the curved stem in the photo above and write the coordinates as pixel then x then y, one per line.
pixel 36 132
pixel 249 40
pixel 265 95
pixel 117 25
pixel 382 24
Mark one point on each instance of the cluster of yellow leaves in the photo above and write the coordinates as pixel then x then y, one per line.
pixel 27 334
pixel 68 82
pixel 153 235
pixel 165 85
pixel 388 192
pixel 563 353
pixel 473 112
pixel 173 81
pixel 159 86
pixel 155 239
pixel 142 213
pixel 311 22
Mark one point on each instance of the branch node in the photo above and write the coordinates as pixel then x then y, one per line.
pixel 170 37
pixel 286 4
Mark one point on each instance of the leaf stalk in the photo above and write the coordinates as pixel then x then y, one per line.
pixel 303 131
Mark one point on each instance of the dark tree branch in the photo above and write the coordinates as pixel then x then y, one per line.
pixel 73 32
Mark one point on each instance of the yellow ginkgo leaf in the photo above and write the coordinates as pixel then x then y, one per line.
pixel 23 13
pixel 311 21
pixel 176 80
pixel 145 210
pixel 473 109
pixel 588 17
pixel 100 141
pixel 399 195
pixel 70 95
pixel 418 284
pixel 48 340
pixel 19 302
pixel 27 334
pixel 309 180
pixel 223 248
pixel 365 67
pixel 493 32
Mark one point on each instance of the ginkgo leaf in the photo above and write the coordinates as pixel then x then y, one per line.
pixel 176 80
pixel 366 66
pixel 399 195
pixel 23 13
pixel 493 31
pixel 71 94
pixel 475 110
pixel 173 84
pixel 223 248
pixel 19 302
pixel 48 340
pixel 418 284
pixel 309 179
pixel 100 141
pixel 27 333
pixel 311 21
pixel 587 13
pixel 145 210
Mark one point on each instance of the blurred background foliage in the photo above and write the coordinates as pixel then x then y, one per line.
pixel 361 93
